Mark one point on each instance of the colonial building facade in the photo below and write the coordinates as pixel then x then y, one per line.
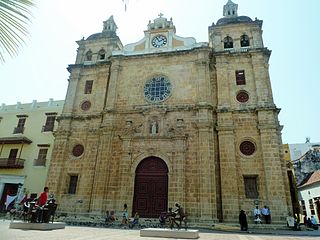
pixel 26 143
pixel 167 119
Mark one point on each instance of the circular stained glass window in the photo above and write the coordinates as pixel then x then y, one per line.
pixel 86 105
pixel 247 148
pixel 157 89
pixel 242 96
pixel 77 150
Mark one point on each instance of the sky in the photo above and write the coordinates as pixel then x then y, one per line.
pixel 290 29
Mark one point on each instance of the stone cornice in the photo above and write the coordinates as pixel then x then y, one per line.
pixel 236 52
pixel 160 108
pixel 78 117
pixel 248 109
pixel 162 54
pixel 225 128
pixel 87 65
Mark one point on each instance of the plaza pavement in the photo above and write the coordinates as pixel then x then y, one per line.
pixel 91 233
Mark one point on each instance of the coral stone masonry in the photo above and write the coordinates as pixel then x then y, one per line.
pixel 168 119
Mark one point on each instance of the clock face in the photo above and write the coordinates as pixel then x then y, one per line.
pixel 157 89
pixel 159 41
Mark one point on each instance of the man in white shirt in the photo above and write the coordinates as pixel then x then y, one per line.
pixel 257 213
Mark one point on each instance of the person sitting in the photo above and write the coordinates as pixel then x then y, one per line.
pixel 162 218
pixel 135 220
pixel 180 215
pixel 125 215
pixel 314 223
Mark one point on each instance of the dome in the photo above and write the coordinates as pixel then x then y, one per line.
pixel 102 35
pixel 232 20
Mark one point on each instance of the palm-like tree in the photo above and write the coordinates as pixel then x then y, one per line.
pixel 14 17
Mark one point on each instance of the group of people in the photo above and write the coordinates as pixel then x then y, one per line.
pixel 173 217
pixel 264 213
pixel 258 214
pixel 311 222
pixel 111 218
pixel 39 209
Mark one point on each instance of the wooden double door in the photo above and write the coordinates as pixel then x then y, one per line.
pixel 151 188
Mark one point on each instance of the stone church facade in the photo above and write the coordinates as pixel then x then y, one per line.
pixel 167 119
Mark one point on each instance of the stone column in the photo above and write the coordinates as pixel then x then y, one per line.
pixel 126 181
pixel 177 181
pixel 101 196
pixel 275 174
pixel 56 173
pixel 207 183
pixel 229 176
pixel 111 97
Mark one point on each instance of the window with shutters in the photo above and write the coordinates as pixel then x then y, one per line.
pixel 20 125
pixel 250 186
pixel 42 157
pixel 88 87
pixel 49 125
pixel 240 77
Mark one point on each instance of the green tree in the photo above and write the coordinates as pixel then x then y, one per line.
pixel 14 18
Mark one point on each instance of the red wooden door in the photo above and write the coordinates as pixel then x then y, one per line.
pixel 151 188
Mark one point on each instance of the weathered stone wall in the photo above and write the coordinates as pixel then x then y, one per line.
pixel 200 129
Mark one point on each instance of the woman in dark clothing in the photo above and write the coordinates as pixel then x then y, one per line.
pixel 243 220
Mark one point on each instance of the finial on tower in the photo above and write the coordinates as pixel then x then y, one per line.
pixel 109 25
pixel 230 9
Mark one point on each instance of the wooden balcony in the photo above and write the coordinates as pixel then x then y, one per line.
pixel 11 163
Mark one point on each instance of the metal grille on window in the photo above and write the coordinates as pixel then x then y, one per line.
pixel 250 184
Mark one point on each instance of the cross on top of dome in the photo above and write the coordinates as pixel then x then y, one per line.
pixel 160 22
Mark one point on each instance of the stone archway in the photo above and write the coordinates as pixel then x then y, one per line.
pixel 150 188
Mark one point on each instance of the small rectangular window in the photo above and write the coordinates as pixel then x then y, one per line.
pixel 240 77
pixel 88 87
pixel 42 157
pixel 251 187
pixel 73 184
pixel 20 126
pixel 49 125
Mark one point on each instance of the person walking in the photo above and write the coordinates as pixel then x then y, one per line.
pixel 125 215
pixel 243 221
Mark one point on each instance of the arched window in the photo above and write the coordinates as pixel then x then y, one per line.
pixel 228 42
pixel 89 56
pixel 102 54
pixel 244 41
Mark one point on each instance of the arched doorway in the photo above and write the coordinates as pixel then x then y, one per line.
pixel 151 188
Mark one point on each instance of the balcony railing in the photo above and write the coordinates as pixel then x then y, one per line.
pixel 18 130
pixel 47 128
pixel 11 163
